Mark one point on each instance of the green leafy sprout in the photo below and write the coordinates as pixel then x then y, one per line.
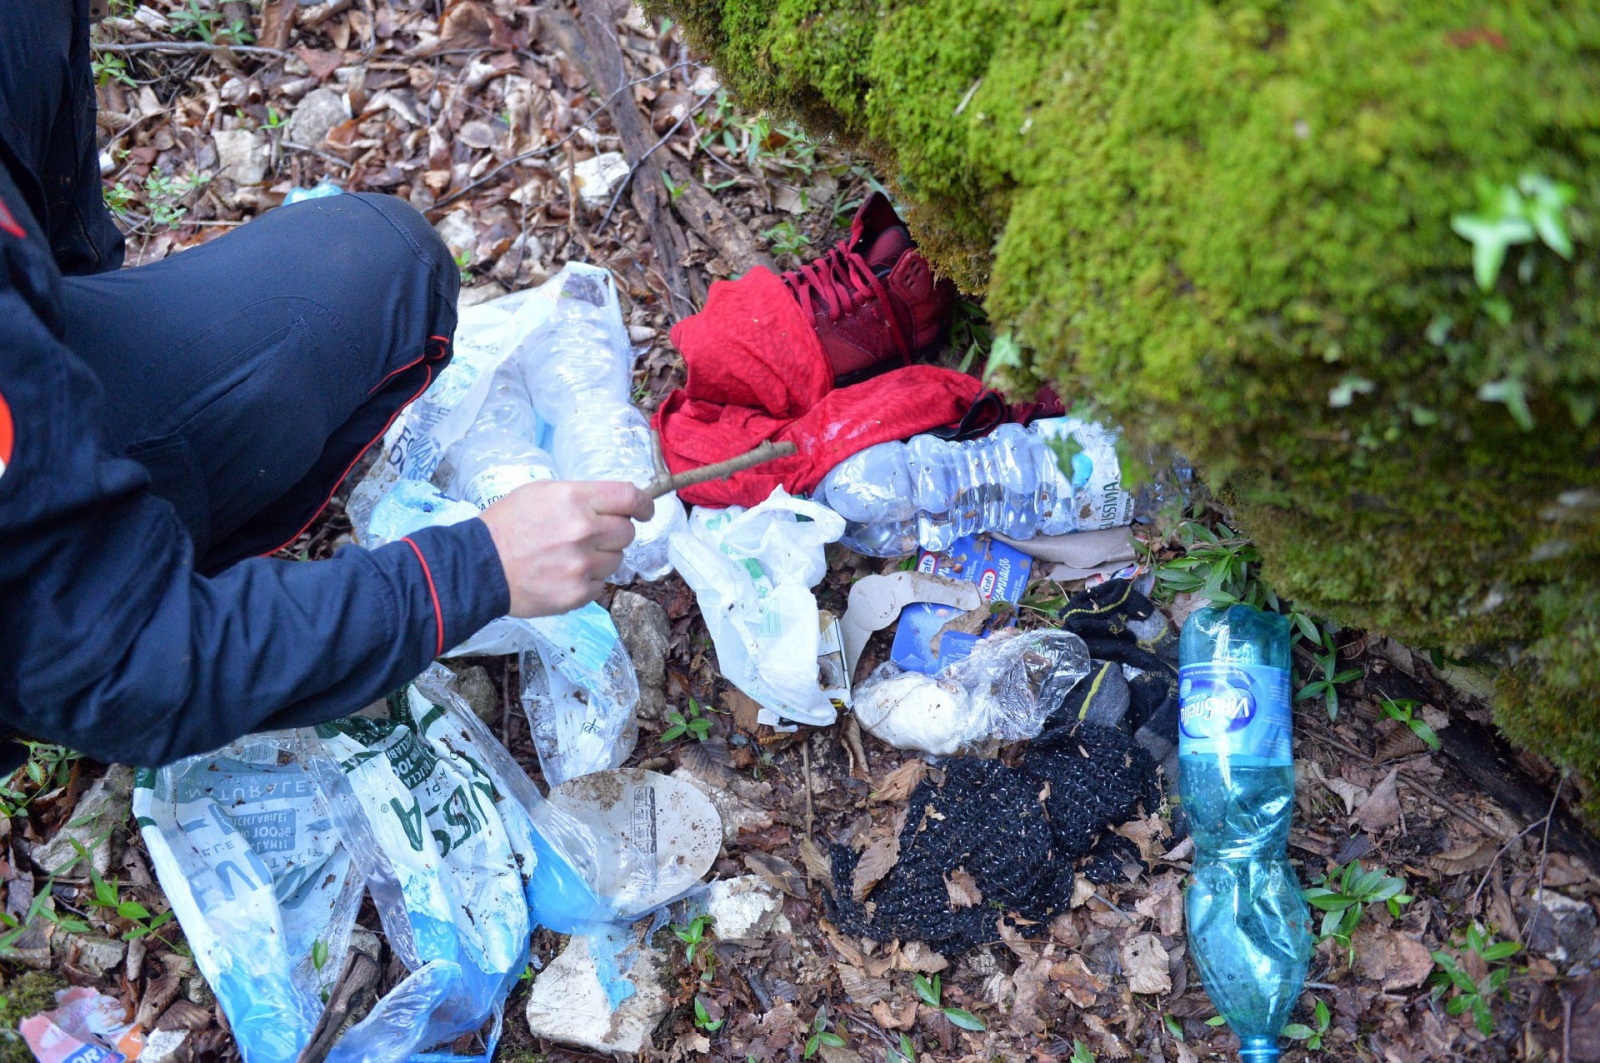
pixel 695 725
pixel 1311 1035
pixel 1534 208
pixel 1343 893
pixel 932 994
pixel 1080 1053
pixel 1405 710
pixel 821 1035
pixel 703 1019
pixel 1327 658
pixel 693 936
pixel 1465 993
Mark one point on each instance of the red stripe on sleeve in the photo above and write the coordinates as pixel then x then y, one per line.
pixel 438 614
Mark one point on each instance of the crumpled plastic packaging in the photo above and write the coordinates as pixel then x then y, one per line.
pixel 752 571
pixel 85 1026
pixel 264 847
pixel 1001 692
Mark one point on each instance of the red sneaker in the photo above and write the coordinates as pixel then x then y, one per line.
pixel 874 297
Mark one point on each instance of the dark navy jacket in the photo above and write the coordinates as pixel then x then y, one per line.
pixel 110 642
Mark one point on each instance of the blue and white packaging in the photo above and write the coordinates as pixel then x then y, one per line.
pixel 1001 575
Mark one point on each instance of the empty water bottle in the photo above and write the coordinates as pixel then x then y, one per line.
pixel 578 368
pixel 1249 929
pixel 498 453
pixel 928 492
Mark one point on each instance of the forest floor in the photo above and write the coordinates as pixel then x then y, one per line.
pixel 483 114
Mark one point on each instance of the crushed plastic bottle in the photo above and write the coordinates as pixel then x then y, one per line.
pixel 928 492
pixel 498 454
pixel 1249 929
pixel 578 370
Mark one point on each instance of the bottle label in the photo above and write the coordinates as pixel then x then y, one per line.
pixel 1237 711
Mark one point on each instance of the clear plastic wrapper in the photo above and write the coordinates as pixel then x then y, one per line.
pixel 1001 692
pixel 249 856
pixel 578 366
pixel 752 572
pixel 264 847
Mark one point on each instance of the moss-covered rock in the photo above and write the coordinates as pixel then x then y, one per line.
pixel 1230 223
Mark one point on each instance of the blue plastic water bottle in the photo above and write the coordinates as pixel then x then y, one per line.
pixel 1249 930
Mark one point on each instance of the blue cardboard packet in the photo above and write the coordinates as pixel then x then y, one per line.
pixel 1001 574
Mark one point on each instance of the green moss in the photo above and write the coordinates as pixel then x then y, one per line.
pixel 1209 215
pixel 23 996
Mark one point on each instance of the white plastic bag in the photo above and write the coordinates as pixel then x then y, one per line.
pixel 1002 691
pixel 752 572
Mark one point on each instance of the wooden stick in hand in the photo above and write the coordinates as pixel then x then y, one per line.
pixel 721 470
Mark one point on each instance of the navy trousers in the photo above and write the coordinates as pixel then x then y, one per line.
pixel 247 374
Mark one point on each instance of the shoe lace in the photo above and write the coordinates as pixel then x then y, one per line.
pixel 842 280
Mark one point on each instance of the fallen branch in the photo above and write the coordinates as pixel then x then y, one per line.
pixel 353 996
pixel 183 47
pixel 721 470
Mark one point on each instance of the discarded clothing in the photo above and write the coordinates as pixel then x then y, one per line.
pixel 1021 833
pixel 757 371
pixel 1133 678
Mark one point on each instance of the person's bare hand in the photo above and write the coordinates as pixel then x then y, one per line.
pixel 558 540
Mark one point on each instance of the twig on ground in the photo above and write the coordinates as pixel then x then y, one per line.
pixel 1544 859
pixel 319 153
pixel 616 197
pixel 182 47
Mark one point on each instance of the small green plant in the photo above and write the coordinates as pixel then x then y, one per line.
pixel 1404 710
pixel 108 895
pixel 703 1019
pixel 463 260
pixel 1174 1026
pixel 1216 565
pixel 47 768
pixel 118 198
pixel 205 24
pixel 109 67
pixel 786 238
pixel 1311 1035
pixel 1327 658
pixel 165 195
pixel 1465 993
pixel 41 908
pixel 932 994
pixel 694 725
pixel 821 1035
pixel 274 118
pixel 1534 208
pixel 319 954
pixel 674 189
pixel 905 1053
pixel 693 936
pixel 1080 1053
pixel 1343 893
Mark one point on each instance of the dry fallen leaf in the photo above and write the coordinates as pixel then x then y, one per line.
pixel 915 956
pixel 1474 856
pixel 963 890
pixel 1351 794
pixel 1381 809
pixel 1144 960
pixel 1393 959
pixel 1076 982
pixel 817 863
pixel 777 872
pixel 877 860
pixel 898 784
pixel 1164 903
